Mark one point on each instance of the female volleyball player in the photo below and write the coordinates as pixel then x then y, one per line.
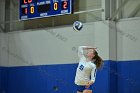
pixel 89 62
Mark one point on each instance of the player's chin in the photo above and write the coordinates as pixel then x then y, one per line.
pixel 87 86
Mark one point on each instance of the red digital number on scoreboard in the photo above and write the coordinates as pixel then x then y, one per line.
pixel 25 10
pixel 64 4
pixel 27 1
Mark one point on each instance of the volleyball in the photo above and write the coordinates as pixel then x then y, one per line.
pixel 77 25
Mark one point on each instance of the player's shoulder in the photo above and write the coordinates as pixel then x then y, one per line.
pixel 93 64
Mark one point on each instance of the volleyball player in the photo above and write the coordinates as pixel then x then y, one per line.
pixel 89 62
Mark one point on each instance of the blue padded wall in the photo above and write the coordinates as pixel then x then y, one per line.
pixel 3 79
pixel 51 79
pixel 129 77
pixel 114 77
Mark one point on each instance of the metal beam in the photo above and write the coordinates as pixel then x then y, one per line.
pixel 112 7
pixel 86 11
pixel 118 4
pixel 118 10
pixel 1 28
pixel 13 2
pixel 7 16
pixel 135 11
pixel 106 6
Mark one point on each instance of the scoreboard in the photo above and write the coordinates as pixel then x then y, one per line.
pixel 32 9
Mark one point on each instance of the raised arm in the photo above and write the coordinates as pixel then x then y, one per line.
pixel 81 51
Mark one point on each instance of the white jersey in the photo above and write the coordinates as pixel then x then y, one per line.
pixel 86 71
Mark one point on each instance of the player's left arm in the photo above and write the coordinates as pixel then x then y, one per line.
pixel 93 76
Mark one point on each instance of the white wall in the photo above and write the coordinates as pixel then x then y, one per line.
pixel 59 45
pixel 54 45
pixel 128 39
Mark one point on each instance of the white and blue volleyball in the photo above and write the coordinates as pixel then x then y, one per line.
pixel 77 25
